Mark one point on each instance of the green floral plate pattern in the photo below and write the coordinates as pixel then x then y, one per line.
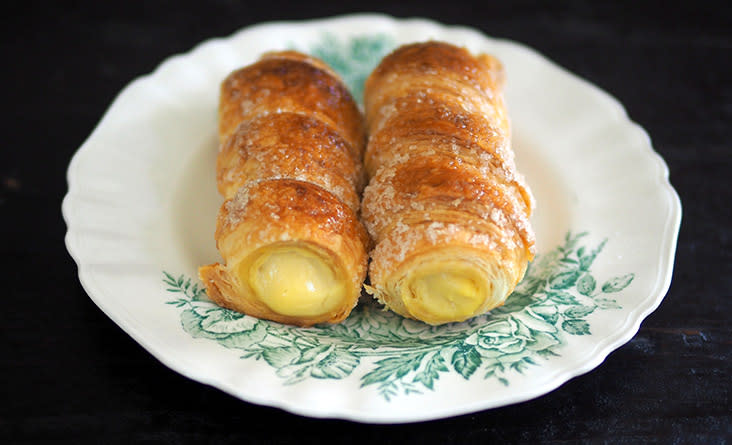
pixel 142 200
pixel 406 356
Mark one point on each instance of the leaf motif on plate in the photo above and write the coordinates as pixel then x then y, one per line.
pixel 586 284
pixel 398 357
pixel 466 361
pixel 576 327
pixel 618 283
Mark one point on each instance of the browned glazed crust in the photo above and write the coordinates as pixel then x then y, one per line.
pixel 290 145
pixel 289 167
pixel 442 172
pixel 276 84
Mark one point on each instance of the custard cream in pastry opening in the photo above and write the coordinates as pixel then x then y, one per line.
pixel 443 286
pixel 294 279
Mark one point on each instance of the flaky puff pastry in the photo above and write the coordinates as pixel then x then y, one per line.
pixel 289 167
pixel 445 206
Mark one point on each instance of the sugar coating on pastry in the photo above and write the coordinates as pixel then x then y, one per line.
pixel 289 168
pixel 445 205
pixel 290 145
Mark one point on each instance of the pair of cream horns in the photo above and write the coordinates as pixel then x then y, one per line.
pixel 444 217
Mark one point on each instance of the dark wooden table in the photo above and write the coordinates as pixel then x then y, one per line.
pixel 69 373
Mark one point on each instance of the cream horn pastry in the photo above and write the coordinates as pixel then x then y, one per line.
pixel 444 204
pixel 289 168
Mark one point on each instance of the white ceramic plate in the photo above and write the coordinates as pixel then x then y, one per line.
pixel 142 202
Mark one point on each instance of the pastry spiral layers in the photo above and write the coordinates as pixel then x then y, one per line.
pixel 445 206
pixel 289 167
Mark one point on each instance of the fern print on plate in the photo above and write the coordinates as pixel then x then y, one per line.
pixel 398 356
pixel 353 59
pixel 142 199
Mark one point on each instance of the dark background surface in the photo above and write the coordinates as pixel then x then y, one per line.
pixel 67 372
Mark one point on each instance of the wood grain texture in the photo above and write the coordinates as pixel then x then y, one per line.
pixel 69 374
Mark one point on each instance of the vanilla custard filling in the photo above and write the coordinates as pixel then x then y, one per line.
pixel 295 281
pixel 442 292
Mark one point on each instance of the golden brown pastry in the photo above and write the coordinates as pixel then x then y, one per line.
pixel 444 204
pixel 289 166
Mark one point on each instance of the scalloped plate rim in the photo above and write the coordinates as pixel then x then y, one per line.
pixel 592 359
